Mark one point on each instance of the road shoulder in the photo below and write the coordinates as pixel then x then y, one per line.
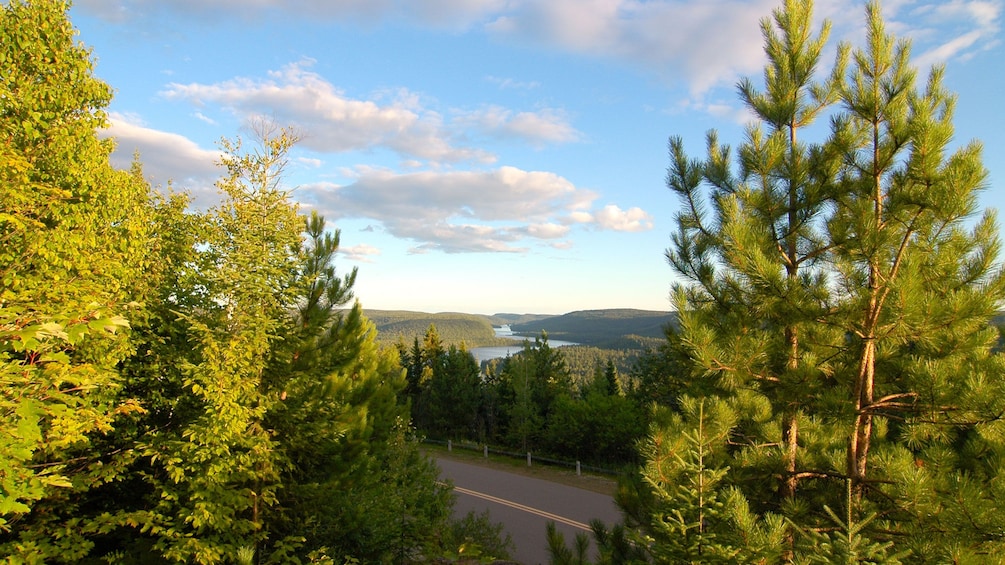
pixel 593 483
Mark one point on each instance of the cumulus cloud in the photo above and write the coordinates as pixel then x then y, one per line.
pixel 165 157
pixel 538 128
pixel 361 253
pixel 498 210
pixel 632 220
pixel 330 120
pixel 612 217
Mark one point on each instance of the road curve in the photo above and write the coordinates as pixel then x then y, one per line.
pixel 525 505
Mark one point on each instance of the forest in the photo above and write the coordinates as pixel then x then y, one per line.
pixel 529 402
pixel 186 386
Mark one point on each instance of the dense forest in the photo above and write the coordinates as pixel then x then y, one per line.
pixel 471 330
pixel 607 329
pixel 531 401
pixel 185 386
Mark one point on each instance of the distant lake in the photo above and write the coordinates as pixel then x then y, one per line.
pixel 499 351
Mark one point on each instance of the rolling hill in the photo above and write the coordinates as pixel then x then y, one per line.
pixel 614 329
pixel 600 328
pixel 474 330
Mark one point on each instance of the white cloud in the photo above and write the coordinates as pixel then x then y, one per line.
pixel 310 162
pixel 470 211
pixel 547 230
pixel 509 83
pixel 702 44
pixel 165 157
pixel 711 43
pixel 330 120
pixel 971 25
pixel 545 126
pixel 207 119
pixel 361 253
pixel 632 220
pixel 948 50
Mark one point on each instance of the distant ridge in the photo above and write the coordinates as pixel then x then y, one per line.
pixel 454 328
pixel 600 327
pixel 510 319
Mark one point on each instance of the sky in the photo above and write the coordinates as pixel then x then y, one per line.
pixel 487 156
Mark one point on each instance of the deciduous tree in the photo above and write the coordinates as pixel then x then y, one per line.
pixel 73 237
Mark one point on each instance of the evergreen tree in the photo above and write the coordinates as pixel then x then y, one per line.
pixel 917 284
pixel 697 517
pixel 837 299
pixel 753 260
pixel 452 398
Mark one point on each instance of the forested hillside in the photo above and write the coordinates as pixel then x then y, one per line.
pixel 615 329
pixel 600 328
pixel 454 328
pixel 510 319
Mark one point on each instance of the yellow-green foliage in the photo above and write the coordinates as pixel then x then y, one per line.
pixel 73 243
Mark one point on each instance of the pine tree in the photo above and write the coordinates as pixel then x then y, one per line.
pixel 696 516
pixel 918 282
pixel 838 296
pixel 452 397
pixel 751 244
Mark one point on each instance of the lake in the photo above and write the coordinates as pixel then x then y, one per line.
pixel 498 351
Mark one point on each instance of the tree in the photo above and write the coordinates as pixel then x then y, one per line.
pixel 294 426
pixel 918 282
pixel 698 517
pixel 218 473
pixel 180 386
pixel 452 397
pixel 73 242
pixel 598 425
pixel 838 297
pixel 754 262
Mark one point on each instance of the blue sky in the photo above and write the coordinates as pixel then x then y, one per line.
pixel 486 155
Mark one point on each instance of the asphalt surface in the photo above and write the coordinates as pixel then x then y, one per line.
pixel 524 505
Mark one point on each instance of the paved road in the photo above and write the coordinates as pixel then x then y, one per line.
pixel 525 505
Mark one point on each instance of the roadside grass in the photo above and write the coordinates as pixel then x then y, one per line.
pixel 587 481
